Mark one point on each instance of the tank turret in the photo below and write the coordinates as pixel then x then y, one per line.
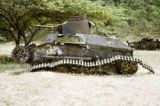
pixel 75 25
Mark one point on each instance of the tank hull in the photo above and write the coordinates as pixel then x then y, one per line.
pixel 75 50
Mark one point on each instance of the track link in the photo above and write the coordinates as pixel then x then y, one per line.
pixel 90 64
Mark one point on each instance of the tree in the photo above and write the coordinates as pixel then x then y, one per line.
pixel 18 17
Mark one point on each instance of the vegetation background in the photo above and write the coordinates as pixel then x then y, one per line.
pixel 127 19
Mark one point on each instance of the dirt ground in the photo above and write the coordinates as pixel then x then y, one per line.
pixel 62 89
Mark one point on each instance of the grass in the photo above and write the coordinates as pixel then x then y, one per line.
pixel 151 58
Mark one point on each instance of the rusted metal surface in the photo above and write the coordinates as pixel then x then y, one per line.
pixel 146 44
pixel 69 57
pixel 76 25
pixel 103 41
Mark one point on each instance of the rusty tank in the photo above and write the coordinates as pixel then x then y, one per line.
pixel 76 50
pixel 146 44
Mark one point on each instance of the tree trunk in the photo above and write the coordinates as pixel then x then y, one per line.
pixel 32 35
pixel 25 40
pixel 17 43
pixel 18 40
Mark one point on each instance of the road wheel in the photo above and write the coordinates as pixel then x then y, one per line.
pixel 127 67
pixel 20 54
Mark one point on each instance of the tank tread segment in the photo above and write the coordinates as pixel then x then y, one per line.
pixel 96 63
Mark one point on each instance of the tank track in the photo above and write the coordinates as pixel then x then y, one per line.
pixel 88 64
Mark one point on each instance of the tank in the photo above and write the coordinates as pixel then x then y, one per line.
pixel 76 50
pixel 146 44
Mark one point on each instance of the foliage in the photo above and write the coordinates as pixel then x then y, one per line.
pixel 125 17
pixel 83 7
pixel 145 17
pixel 18 17
pixel 133 17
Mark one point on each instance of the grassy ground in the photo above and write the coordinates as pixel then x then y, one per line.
pixel 151 58
pixel 58 89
